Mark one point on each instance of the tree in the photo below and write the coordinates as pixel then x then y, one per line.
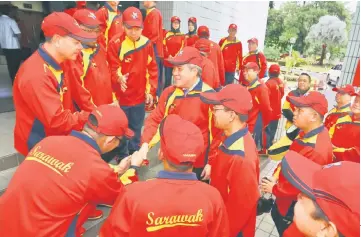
pixel 330 30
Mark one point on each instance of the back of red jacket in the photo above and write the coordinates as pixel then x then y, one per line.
pixel 232 54
pixel 217 58
pixel 181 206
pixel 209 73
pixel 136 59
pixel 191 39
pixel 276 93
pixel 39 93
pixel 153 29
pixel 53 184
pixel 261 104
pixel 173 43
pixel 256 57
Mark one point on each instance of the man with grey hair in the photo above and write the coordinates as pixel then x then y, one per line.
pixel 183 99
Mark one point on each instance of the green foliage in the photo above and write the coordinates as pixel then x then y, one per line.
pixel 272 53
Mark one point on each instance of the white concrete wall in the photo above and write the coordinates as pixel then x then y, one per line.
pixel 250 17
pixel 353 51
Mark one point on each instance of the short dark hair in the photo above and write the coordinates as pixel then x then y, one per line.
pixel 272 75
pixel 184 166
pixel 307 75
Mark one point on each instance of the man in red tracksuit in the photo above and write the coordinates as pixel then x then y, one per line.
pixel 215 55
pixel 209 74
pixel 254 55
pixel 345 134
pixel 174 41
pixel 261 112
pixel 110 22
pixel 232 54
pixel 173 209
pixel 183 99
pixel 342 108
pixel 276 93
pixel 134 73
pixel 79 5
pixel 39 88
pixel 63 175
pixel 153 30
pixel 314 143
pixel 192 36
pixel 235 167
pixel 89 74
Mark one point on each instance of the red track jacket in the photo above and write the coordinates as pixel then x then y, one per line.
pixel 171 211
pixel 53 184
pixel 189 106
pixel 39 91
pixel 90 79
pixel 335 114
pixel 345 136
pixel 276 93
pixel 217 59
pixel 153 29
pixel 261 104
pixel 191 39
pixel 111 23
pixel 232 54
pixel 252 57
pixel 209 74
pixel 235 167
pixel 137 59
pixel 173 43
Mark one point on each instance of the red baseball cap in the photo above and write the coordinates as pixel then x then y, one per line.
pixel 233 96
pixel 112 121
pixel 61 23
pixel 274 68
pixel 175 18
pixel 81 4
pixel 192 19
pixel 346 89
pixel 312 99
pixel 252 65
pixel 188 55
pixel 181 140
pixel 87 18
pixel 132 17
pixel 232 26
pixel 335 188
pixel 253 40
pixel 202 46
pixel 203 31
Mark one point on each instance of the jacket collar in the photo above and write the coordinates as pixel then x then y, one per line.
pixel 176 175
pixel 314 132
pixel 196 87
pixel 86 139
pixel 343 107
pixel 235 136
pixel 48 59
pixel 109 7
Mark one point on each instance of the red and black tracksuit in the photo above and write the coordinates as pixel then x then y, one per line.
pixel 288 108
pixel 235 173
pixel 276 92
pixel 232 56
pixel 345 136
pixel 42 102
pixel 173 43
pixel 216 57
pixel 111 24
pixel 176 101
pixel 314 145
pixel 172 210
pixel 259 116
pixel 256 57
pixel 153 30
pixel 54 184
pixel 137 59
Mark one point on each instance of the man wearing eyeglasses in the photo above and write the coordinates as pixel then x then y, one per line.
pixel 235 168
pixel 313 142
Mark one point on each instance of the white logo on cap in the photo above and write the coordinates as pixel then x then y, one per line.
pixel 135 15
pixel 76 23
pixel 180 53
pixel 331 165
pixel 189 155
pixel 92 15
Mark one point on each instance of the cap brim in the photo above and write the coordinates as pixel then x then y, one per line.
pixel 130 24
pixel 129 133
pixel 84 36
pixel 339 90
pixel 298 101
pixel 176 61
pixel 299 171
pixel 211 98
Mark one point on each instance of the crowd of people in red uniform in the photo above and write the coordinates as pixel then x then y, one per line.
pixel 81 101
